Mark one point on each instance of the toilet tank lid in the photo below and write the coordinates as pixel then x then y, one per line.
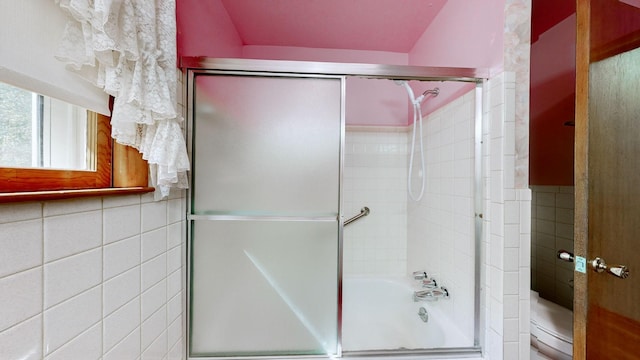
pixel 554 319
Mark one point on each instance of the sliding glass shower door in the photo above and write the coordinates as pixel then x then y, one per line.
pixel 264 214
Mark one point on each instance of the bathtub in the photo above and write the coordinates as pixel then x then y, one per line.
pixel 380 314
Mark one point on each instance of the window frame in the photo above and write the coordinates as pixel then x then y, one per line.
pixel 33 184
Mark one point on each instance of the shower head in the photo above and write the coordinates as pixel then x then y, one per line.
pixel 434 92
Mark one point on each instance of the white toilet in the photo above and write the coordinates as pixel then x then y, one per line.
pixel 551 330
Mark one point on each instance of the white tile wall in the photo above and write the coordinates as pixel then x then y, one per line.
pixel 507 227
pixel 375 176
pixel 441 225
pixel 92 278
pixel 552 230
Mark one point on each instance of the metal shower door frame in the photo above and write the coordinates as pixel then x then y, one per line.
pixel 193 66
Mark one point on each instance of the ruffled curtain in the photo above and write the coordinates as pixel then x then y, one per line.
pixel 128 48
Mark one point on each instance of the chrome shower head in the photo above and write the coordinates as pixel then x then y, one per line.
pixel 434 92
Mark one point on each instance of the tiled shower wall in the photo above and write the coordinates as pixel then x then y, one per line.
pixel 441 225
pixel 375 175
pixel 552 230
pixel 94 278
pixel 506 247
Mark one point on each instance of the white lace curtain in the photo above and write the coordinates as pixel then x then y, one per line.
pixel 128 48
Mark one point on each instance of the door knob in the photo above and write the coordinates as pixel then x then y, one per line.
pixel 620 271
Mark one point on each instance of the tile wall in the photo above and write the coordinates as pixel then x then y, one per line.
pixel 506 247
pixel 552 230
pixel 441 237
pixel 93 278
pixel 375 175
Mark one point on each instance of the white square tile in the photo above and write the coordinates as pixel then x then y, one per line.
pixel 121 289
pixel 497 251
pixel 157 349
pixel 23 341
pixel 175 212
pixel 154 243
pixel 511 330
pixel 71 234
pixel 174 258
pixel 511 212
pixel 153 299
pixel 70 206
pixel 174 283
pixel 20 297
pixel 176 351
pixel 525 347
pixel 525 316
pixel 121 256
pixel 496 318
pixel 129 348
pixel 21 244
pixel 71 318
pixel 13 212
pixel 512 350
pixel 70 276
pixel 153 327
pixel 512 236
pixel 154 215
pixel 511 259
pixel 511 306
pixel 117 201
pixel 153 271
pixel 121 223
pixel 121 323
pixel 497 283
pixel 175 234
pixel 175 307
pixel 511 283
pixel 174 332
pixel 87 345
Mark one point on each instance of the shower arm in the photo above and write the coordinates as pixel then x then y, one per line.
pixel 363 212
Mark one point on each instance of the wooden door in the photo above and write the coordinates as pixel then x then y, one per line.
pixel 607 308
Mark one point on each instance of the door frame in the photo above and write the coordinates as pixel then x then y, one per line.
pixel 194 65
pixel 581 214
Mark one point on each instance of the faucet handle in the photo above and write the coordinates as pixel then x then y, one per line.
pixel 419 275
pixel 445 292
pixel 429 283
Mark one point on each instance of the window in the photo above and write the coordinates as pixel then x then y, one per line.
pixel 47 145
pixel 42 132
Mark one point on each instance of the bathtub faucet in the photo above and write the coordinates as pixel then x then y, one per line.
pixel 430 294
pixel 425 280
pixel 429 283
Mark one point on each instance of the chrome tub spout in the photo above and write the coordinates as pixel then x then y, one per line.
pixel 430 294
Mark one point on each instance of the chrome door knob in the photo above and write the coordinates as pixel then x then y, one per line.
pixel 620 271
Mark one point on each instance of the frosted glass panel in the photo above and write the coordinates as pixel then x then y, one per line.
pixel 267 288
pixel 266 145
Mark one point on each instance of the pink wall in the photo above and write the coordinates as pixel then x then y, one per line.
pixel 205 29
pixel 466 34
pixel 463 34
pixel 552 103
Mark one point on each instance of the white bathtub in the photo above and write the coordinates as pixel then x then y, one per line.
pixel 380 314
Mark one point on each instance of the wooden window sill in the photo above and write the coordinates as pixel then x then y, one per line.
pixel 68 194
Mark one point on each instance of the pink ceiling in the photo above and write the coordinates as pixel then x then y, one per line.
pixel 382 25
